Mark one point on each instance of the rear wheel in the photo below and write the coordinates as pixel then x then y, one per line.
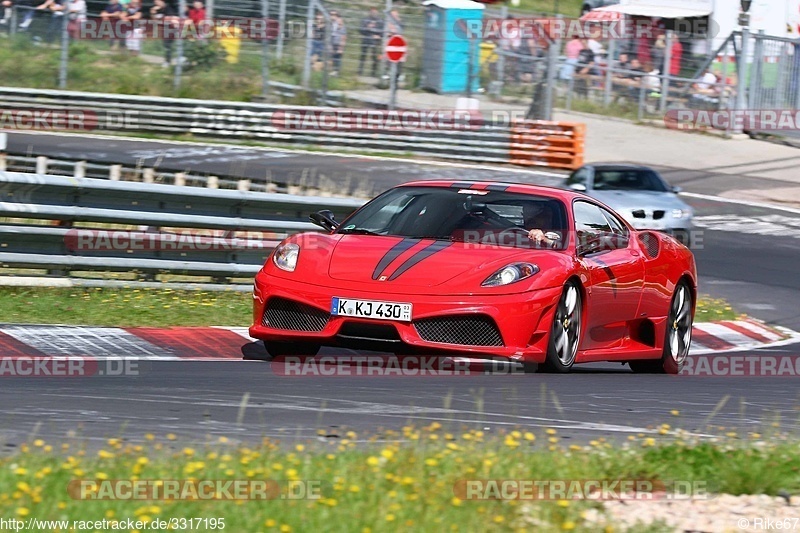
pixel 677 338
pixel 565 333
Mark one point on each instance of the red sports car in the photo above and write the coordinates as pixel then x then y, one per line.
pixel 543 276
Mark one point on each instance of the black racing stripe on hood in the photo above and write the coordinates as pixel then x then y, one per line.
pixel 393 254
pixel 497 187
pixel 462 184
pixel 420 256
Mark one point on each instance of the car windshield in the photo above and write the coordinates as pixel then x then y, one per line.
pixel 475 216
pixel 628 180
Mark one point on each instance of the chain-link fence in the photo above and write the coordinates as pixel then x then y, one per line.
pixel 251 48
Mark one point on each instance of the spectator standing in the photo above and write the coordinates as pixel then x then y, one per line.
pixel 318 38
pixel 167 18
pixel 572 51
pixel 56 8
pixel 676 56
pixel 338 41
pixel 8 8
pixel 371 31
pixel 132 14
pixel 26 9
pixel 76 15
pixel 111 14
pixel 197 13
pixel 585 68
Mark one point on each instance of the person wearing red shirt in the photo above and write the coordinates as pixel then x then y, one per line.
pixel 676 56
pixel 197 13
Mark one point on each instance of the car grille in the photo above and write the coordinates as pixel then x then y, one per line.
pixel 657 214
pixel 468 330
pixel 638 213
pixel 281 313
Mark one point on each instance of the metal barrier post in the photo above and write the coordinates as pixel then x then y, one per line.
pixel 552 69
pixel 281 28
pixel 309 43
pixel 501 57
pixel 62 71
pixel 665 71
pixel 741 102
pixel 570 89
pixel 754 95
pixel 612 47
pixel 265 50
pixel 179 61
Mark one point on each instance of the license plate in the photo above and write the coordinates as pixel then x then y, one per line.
pixel 371 309
pixel 648 225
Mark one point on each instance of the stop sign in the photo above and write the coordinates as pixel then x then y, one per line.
pixel 396 48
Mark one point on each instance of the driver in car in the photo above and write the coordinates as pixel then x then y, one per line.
pixel 539 217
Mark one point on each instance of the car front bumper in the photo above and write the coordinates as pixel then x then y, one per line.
pixel 523 319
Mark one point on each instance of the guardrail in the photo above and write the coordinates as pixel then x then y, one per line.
pixel 85 224
pixel 480 141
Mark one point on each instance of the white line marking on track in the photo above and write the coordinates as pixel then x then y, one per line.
pixel 748 203
pixel 306 403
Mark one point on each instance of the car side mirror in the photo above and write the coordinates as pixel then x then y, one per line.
pixel 578 187
pixel 677 189
pixel 324 219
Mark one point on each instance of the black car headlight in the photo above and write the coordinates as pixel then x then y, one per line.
pixel 510 274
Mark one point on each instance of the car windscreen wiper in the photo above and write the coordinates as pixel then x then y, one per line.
pixel 357 231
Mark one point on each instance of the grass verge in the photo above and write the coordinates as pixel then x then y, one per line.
pixel 131 307
pixel 386 485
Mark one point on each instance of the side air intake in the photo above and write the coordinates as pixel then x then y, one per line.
pixel 650 243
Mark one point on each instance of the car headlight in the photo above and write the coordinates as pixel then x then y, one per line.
pixel 285 256
pixel 510 274
pixel 680 213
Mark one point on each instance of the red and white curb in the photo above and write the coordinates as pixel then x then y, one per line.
pixel 225 343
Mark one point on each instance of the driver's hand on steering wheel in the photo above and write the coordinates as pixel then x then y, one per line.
pixel 538 236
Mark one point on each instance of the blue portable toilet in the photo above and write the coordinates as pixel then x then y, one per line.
pixel 448 45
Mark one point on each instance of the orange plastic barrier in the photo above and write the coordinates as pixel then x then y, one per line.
pixel 537 143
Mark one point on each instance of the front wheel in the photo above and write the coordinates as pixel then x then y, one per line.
pixel 677 338
pixel 565 333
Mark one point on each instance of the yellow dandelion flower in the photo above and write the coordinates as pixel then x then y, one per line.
pixel 568 525
pixel 372 461
pixel 563 503
pixel 171 436
pixel 550 431
pixel 431 462
pixel 23 511
pixel 390 517
pixel 498 519
pixel 529 436
pixel 38 443
pixel 456 501
pixel 387 453
pixel 270 522
pixel 674 412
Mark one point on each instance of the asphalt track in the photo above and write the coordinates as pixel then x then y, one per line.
pixel 754 265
